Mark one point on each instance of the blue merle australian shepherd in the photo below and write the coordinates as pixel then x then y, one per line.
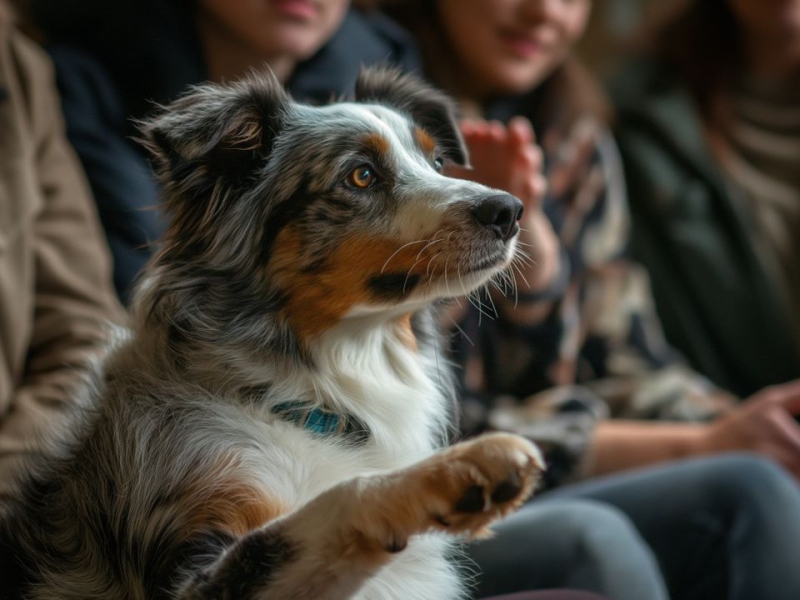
pixel 273 423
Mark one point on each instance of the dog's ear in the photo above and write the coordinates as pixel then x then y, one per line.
pixel 427 106
pixel 216 130
pixel 206 145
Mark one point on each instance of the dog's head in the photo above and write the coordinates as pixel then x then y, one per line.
pixel 314 215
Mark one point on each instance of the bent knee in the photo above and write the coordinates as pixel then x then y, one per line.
pixel 596 525
pixel 749 475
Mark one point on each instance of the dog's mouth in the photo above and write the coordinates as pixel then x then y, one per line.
pixel 448 277
pixel 394 285
pixel 495 261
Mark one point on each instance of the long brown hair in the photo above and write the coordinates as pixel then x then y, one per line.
pixel 703 43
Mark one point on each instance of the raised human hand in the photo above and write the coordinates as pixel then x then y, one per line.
pixel 508 158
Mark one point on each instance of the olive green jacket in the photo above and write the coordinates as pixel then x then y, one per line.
pixel 717 303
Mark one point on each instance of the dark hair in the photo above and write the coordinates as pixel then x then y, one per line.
pixel 703 43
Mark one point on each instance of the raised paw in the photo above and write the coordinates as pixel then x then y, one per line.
pixel 478 481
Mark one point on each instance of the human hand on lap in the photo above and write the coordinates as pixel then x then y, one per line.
pixel 764 423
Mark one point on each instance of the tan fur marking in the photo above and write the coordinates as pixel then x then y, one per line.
pixel 425 141
pixel 377 143
pixel 405 333
pixel 318 300
pixel 230 506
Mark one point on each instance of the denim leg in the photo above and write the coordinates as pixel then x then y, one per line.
pixel 722 528
pixel 576 544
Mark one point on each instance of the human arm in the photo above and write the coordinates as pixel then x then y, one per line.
pixel 59 265
pixel 765 423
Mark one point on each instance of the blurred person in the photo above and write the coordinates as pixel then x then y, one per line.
pixel 575 357
pixel 709 129
pixel 116 60
pixel 56 297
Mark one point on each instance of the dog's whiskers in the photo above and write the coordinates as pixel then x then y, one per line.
pixel 488 295
pixel 406 245
pixel 430 262
pixel 458 327
pixel 521 274
pixel 408 274
pixel 446 279
pixel 435 240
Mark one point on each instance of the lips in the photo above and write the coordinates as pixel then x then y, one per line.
pixel 297 9
pixel 523 45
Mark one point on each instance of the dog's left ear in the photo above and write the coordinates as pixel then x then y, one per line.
pixel 223 130
pixel 427 106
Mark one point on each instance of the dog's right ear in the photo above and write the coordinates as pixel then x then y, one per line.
pixel 216 131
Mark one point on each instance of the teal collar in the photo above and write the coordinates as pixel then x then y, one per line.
pixel 322 422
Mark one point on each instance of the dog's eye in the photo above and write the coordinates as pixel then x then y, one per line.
pixel 438 164
pixel 362 177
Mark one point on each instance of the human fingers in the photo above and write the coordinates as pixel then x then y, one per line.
pixel 496 131
pixel 521 131
pixel 782 429
pixel 527 161
pixel 531 182
pixel 482 129
pixel 786 394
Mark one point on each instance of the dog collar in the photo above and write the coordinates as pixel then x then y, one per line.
pixel 322 422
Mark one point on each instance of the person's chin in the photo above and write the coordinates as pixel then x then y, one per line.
pixel 300 45
pixel 517 79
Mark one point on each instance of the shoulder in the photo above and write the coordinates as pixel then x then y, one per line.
pixel 87 91
pixel 660 131
pixel 650 93
pixel 363 38
pixel 26 75
pixel 28 60
pixel 641 77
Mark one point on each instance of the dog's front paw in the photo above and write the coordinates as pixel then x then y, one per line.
pixel 460 490
pixel 478 481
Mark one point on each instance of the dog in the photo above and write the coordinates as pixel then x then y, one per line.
pixel 273 424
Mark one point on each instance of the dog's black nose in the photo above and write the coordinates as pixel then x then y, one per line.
pixel 499 213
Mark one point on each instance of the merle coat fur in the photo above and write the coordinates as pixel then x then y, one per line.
pixel 305 248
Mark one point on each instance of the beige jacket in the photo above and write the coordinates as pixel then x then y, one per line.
pixel 55 278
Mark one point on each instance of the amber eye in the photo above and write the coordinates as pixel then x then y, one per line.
pixel 438 164
pixel 362 177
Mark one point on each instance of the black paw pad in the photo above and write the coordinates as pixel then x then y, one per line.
pixel 472 500
pixel 395 546
pixel 441 521
pixel 507 490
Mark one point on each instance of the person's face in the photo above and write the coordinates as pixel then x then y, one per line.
pixel 293 29
pixel 510 46
pixel 768 20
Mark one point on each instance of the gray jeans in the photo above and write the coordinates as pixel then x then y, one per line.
pixel 567 543
pixel 720 528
